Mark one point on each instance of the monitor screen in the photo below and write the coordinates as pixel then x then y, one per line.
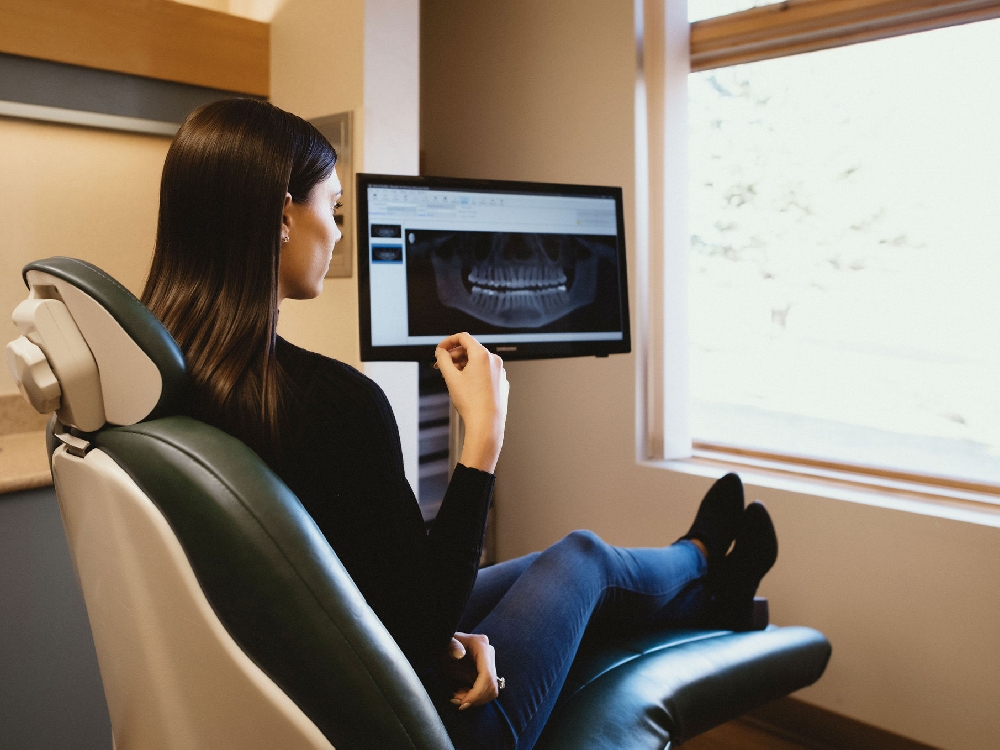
pixel 531 270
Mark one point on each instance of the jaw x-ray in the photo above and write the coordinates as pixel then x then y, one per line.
pixel 508 281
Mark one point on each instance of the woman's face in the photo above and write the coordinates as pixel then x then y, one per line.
pixel 312 232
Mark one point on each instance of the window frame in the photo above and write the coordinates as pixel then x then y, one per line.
pixel 668 49
pixel 796 26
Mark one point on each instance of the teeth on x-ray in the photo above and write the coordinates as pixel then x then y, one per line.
pixel 517 277
pixel 523 282
pixel 523 304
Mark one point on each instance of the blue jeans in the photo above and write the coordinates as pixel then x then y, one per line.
pixel 537 612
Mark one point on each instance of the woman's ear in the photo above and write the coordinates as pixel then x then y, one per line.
pixel 286 215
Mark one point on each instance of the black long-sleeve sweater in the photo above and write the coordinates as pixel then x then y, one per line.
pixel 342 458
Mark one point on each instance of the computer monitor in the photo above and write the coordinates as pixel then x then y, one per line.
pixel 532 270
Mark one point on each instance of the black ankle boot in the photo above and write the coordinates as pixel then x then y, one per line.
pixel 719 516
pixel 730 593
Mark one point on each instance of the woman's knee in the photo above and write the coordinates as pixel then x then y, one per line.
pixel 586 544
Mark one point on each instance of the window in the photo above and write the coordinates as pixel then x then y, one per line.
pixel 699 10
pixel 845 237
pixel 846 253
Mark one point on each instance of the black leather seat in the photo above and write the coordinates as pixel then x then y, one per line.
pixel 660 689
pixel 222 617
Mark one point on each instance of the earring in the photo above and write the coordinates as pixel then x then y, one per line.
pixel 284 239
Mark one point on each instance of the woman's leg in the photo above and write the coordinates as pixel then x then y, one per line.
pixel 729 602
pixel 491 585
pixel 537 626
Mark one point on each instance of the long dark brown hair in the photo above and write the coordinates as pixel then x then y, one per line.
pixel 214 276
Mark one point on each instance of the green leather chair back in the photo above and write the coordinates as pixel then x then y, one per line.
pixel 221 615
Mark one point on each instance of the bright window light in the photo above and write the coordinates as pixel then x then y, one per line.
pixel 699 10
pixel 845 254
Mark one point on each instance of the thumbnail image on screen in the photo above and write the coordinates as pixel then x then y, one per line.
pixel 503 282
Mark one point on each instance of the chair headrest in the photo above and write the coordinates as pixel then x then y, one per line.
pixel 91 351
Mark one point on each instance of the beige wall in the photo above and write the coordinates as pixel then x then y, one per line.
pixel 317 68
pixel 330 56
pixel 93 194
pixel 543 91
pixel 392 146
pixel 86 193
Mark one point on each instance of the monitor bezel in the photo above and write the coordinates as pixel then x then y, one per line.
pixel 507 350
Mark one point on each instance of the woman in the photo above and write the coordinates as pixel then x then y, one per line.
pixel 247 205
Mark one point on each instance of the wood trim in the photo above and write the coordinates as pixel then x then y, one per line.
pixel 871 477
pixel 151 38
pixel 819 729
pixel 796 26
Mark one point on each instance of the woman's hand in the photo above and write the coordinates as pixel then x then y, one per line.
pixel 478 387
pixel 475 660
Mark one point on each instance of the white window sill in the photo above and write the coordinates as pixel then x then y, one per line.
pixel 908 497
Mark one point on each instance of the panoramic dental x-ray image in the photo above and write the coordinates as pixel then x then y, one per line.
pixel 508 281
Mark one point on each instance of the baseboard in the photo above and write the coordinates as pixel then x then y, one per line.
pixel 819 729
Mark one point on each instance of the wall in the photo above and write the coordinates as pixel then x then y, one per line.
pixel 392 146
pixel 104 186
pixel 317 68
pixel 543 91
pixel 93 194
pixel 330 56
pixel 322 63
pixel 90 194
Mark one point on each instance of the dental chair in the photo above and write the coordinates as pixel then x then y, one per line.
pixel 221 616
